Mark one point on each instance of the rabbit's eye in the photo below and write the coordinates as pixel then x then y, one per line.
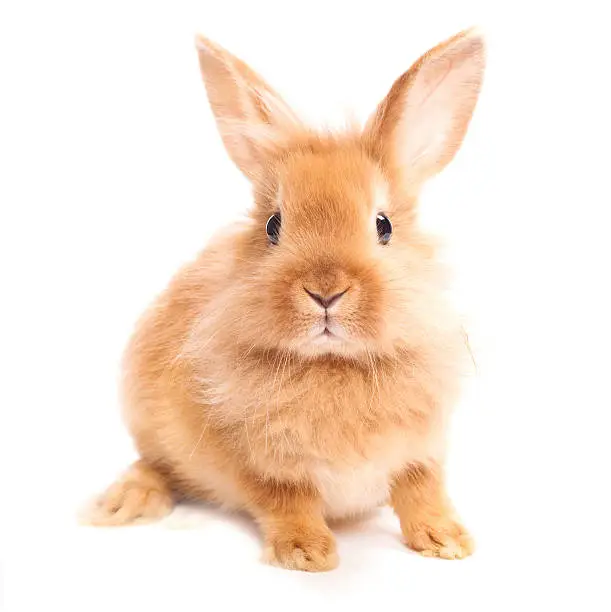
pixel 384 228
pixel 273 228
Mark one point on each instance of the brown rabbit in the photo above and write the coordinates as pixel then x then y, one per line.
pixel 303 367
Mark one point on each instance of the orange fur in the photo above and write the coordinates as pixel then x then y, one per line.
pixel 427 518
pixel 231 392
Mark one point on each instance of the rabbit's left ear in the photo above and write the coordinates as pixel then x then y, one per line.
pixel 419 126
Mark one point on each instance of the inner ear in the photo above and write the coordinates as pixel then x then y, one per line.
pixel 419 126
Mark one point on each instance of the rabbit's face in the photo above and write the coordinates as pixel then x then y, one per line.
pixel 332 263
pixel 331 273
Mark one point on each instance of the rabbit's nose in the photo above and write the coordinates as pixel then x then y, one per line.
pixel 326 301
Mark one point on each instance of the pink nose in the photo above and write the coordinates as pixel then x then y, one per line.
pixel 326 301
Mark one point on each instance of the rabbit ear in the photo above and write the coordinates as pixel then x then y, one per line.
pixel 251 117
pixel 419 126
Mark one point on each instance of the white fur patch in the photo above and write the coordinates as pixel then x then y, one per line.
pixel 380 196
pixel 352 491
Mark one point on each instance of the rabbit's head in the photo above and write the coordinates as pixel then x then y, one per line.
pixel 332 262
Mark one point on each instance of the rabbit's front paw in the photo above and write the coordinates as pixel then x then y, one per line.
pixel 439 536
pixel 300 549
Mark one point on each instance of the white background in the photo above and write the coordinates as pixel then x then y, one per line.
pixel 112 175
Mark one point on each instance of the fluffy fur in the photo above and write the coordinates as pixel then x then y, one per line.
pixel 233 390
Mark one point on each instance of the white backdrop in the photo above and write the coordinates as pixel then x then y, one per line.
pixel 112 175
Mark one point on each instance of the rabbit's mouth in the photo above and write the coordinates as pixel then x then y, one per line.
pixel 326 336
pixel 328 329
pixel 327 339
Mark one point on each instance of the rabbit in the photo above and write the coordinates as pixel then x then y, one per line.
pixel 302 369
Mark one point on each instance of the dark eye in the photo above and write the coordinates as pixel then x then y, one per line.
pixel 384 228
pixel 273 228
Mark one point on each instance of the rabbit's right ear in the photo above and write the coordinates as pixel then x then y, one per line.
pixel 252 118
pixel 421 123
